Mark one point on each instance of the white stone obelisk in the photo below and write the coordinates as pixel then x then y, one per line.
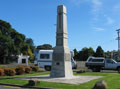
pixel 61 64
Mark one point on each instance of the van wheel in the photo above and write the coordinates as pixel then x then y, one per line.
pixel 118 69
pixel 76 66
pixel 93 69
pixel 48 68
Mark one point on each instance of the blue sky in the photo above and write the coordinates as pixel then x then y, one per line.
pixel 90 22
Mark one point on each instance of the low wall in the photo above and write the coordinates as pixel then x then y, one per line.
pixel 80 64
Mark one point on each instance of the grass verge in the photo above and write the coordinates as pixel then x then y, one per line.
pixel 112 79
pixel 13 80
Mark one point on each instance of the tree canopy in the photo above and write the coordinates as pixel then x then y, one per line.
pixel 99 52
pixel 45 47
pixel 12 42
pixel 83 54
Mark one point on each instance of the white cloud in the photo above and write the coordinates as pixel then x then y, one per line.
pixel 96 4
pixel 78 2
pixel 96 10
pixel 110 20
pixel 99 29
pixel 96 7
pixel 117 6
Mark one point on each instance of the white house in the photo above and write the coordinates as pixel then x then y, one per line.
pixel 23 59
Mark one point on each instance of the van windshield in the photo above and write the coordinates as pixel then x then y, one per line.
pixel 114 60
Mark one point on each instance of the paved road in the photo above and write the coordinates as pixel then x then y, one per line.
pixel 11 87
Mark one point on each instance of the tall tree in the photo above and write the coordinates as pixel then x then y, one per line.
pixel 75 54
pixel 5 41
pixel 85 53
pixel 91 52
pixel 31 49
pixel 12 42
pixel 99 52
pixel 29 41
pixel 45 47
pixel 75 51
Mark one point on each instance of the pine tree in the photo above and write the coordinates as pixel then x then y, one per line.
pixel 99 52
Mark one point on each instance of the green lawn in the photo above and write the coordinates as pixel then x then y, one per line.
pixel 13 80
pixel 112 79
pixel 3 66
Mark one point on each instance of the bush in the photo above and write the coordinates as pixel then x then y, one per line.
pixel 20 70
pixel 35 68
pixel 1 72
pixel 9 71
pixel 27 69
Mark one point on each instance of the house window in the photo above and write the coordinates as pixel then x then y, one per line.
pixel 44 56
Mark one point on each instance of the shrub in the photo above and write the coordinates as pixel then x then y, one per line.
pixel 35 68
pixel 9 71
pixel 20 70
pixel 27 69
pixel 1 72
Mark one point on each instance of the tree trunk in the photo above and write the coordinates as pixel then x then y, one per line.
pixel 4 60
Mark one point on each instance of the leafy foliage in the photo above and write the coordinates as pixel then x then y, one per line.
pixel 27 69
pixel 35 68
pixel 9 71
pixel 20 70
pixel 44 46
pixel 12 43
pixel 30 53
pixel 1 72
pixel 99 52
pixel 86 52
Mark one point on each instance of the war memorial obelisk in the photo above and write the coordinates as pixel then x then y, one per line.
pixel 61 64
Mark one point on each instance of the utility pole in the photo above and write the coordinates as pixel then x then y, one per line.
pixel 118 38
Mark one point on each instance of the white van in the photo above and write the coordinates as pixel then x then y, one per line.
pixel 43 58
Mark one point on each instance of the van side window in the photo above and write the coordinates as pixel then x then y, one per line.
pixel 90 59
pixel 44 56
pixel 97 60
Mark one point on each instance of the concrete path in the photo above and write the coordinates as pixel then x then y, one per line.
pixel 73 80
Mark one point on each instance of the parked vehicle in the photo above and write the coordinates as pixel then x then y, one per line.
pixel 100 63
pixel 43 58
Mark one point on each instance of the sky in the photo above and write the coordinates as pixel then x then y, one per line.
pixel 90 22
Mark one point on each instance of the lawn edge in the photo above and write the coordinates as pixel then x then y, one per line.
pixel 22 86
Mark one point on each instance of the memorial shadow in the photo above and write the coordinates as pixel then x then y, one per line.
pixel 36 77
